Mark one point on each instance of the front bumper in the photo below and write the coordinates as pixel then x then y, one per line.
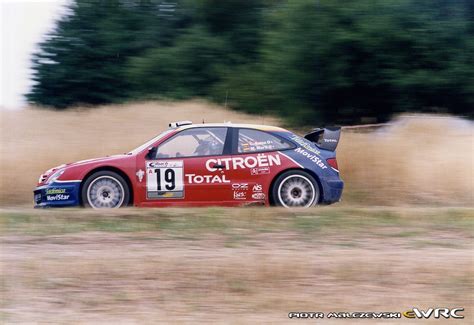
pixel 57 194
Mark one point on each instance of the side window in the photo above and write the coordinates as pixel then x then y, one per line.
pixel 194 142
pixel 251 140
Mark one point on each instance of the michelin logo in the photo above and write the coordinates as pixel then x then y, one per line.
pixel 258 196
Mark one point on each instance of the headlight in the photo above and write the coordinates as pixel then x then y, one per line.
pixel 55 176
pixel 42 178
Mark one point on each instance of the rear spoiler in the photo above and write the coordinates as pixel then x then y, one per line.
pixel 325 138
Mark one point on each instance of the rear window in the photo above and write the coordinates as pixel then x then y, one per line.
pixel 251 140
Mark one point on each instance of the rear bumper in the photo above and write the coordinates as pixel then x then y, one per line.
pixel 60 194
pixel 332 190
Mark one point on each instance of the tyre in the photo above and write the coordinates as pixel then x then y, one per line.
pixel 105 190
pixel 295 188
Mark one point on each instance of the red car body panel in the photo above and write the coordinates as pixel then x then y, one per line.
pixel 245 180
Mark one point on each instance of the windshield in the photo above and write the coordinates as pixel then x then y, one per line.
pixel 148 144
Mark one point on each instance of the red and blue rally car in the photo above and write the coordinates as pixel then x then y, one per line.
pixel 204 164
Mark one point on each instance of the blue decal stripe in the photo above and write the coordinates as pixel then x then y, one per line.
pixel 301 166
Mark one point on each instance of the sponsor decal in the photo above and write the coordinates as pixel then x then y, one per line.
pixel 55 191
pixel 305 144
pixel 169 194
pixel 239 195
pixel 234 163
pixel 240 186
pixel 165 164
pixel 257 188
pixel 240 190
pixel 57 197
pixel 207 179
pixel 258 196
pixel 260 171
pixel 312 157
pixel 165 195
pixel 140 173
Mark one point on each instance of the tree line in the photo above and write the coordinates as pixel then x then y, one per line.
pixel 309 61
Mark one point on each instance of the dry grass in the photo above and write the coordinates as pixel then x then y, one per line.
pixel 425 159
pixel 421 160
pixel 34 140
pixel 238 266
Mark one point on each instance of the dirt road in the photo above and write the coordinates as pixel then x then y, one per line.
pixel 211 265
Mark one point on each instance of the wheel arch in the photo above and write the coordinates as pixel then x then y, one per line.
pixel 110 169
pixel 315 176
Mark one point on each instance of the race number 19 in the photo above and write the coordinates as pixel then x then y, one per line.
pixel 167 178
pixel 164 179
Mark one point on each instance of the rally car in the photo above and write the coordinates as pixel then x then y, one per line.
pixel 201 165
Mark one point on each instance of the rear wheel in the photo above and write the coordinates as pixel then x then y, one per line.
pixel 295 188
pixel 105 190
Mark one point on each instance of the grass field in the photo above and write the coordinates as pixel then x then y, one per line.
pixel 237 266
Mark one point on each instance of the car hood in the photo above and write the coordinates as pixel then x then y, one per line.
pixel 94 160
pixel 107 159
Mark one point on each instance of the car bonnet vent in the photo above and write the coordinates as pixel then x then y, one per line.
pixel 179 123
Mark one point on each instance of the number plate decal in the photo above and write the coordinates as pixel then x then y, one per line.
pixel 164 179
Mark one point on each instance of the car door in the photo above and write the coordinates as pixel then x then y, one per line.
pixel 256 160
pixel 185 170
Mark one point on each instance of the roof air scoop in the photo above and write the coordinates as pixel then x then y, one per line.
pixel 179 123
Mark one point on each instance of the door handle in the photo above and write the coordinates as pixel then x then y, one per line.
pixel 217 166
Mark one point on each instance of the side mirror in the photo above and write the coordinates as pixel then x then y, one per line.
pixel 151 153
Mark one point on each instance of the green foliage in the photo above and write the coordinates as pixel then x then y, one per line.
pixel 325 61
pixel 186 69
pixel 340 61
pixel 83 59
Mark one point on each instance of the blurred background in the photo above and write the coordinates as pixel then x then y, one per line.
pixel 88 78
pixel 308 61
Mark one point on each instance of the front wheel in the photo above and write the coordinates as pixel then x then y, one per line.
pixel 105 190
pixel 295 188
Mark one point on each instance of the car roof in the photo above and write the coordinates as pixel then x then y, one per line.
pixel 228 124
